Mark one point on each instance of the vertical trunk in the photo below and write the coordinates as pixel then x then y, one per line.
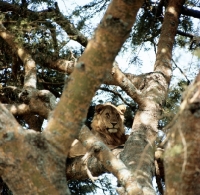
pixel 138 154
pixel 89 73
pixel 142 162
pixel 42 161
pixel 182 156
pixel 166 41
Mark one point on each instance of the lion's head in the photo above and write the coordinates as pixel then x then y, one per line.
pixel 108 124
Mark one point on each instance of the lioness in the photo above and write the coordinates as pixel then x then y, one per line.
pixel 107 124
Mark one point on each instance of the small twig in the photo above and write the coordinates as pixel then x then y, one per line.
pixel 118 94
pixel 181 71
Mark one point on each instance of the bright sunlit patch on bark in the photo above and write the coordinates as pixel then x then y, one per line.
pixel 171 10
pixel 22 106
pixel 74 142
pixel 169 72
pixel 20 52
pixel 13 109
pixel 30 83
pixel 3 34
pixel 163 50
pixel 145 119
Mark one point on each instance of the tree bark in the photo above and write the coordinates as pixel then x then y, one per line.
pixel 29 164
pixel 138 154
pixel 182 157
pixel 89 73
pixel 34 163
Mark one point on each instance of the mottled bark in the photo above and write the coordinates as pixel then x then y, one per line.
pixel 138 154
pixel 166 41
pixel 108 160
pixel 39 161
pixel 89 73
pixel 182 167
pixel 40 102
pixel 29 164
pixel 76 170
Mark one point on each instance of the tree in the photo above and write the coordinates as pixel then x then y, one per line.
pixel 34 64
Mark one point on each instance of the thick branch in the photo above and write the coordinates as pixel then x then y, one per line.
pixel 96 60
pixel 27 158
pixel 158 7
pixel 76 170
pixel 190 12
pixel 40 102
pixel 18 109
pixel 182 152
pixel 166 41
pixel 60 65
pixel 126 84
pixel 71 30
pixel 108 160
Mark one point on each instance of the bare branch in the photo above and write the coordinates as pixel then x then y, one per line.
pixel 191 12
pixel 106 157
pixel 126 84
pixel 118 94
pixel 185 34
pixel 167 36
pixel 61 65
pixel 52 13
pixel 30 78
pixel 71 30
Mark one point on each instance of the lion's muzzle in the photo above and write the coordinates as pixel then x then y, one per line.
pixel 112 130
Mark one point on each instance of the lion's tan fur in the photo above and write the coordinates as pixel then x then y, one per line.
pixel 107 124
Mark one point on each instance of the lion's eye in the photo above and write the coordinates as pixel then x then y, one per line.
pixel 107 115
pixel 117 115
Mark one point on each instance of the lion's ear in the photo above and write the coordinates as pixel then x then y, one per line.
pixel 122 108
pixel 99 107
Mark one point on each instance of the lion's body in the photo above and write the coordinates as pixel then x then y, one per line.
pixel 108 125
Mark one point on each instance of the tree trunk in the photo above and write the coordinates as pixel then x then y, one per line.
pixel 138 154
pixel 34 163
pixel 182 156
